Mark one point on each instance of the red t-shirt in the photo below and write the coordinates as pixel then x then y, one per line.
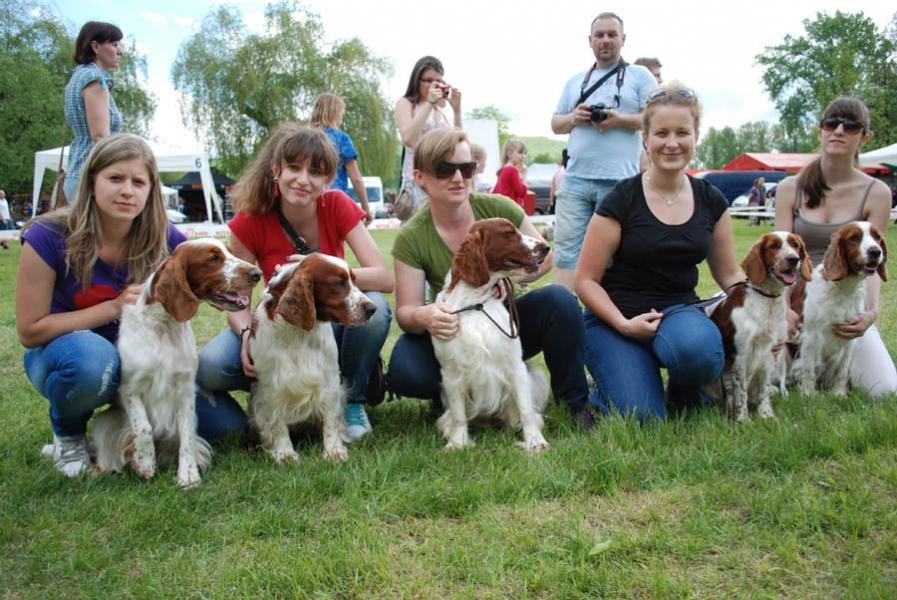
pixel 265 238
pixel 510 184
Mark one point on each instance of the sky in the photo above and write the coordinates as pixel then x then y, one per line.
pixel 515 55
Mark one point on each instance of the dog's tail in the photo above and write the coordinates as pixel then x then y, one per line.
pixel 113 438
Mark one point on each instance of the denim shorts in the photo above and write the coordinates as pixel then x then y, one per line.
pixel 576 202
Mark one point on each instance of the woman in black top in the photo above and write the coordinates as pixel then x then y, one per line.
pixel 639 267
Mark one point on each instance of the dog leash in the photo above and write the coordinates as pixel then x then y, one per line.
pixel 513 317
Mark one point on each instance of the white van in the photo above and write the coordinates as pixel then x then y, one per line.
pixel 374 187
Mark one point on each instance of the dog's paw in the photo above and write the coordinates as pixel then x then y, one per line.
pixel 143 468
pixel 188 480
pixel 453 445
pixel 337 454
pixel 534 446
pixel 284 456
pixel 766 413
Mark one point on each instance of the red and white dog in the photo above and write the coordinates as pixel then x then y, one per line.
pixel 156 401
pixel 837 293
pixel 483 372
pixel 752 319
pixel 295 353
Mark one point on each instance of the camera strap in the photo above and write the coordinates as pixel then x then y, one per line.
pixel 619 70
pixel 297 240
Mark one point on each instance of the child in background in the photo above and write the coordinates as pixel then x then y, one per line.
pixel 511 176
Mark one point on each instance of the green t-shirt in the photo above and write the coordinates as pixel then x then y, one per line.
pixel 418 243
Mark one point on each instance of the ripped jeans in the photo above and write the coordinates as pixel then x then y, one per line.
pixel 80 371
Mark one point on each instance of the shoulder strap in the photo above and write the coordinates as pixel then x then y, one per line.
pixel 865 196
pixel 297 240
pixel 620 66
pixel 798 196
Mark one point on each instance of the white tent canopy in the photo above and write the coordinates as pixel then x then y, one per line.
pixel 168 160
pixel 886 155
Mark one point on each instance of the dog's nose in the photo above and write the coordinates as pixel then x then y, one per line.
pixel 793 260
pixel 541 249
pixel 874 253
pixel 369 310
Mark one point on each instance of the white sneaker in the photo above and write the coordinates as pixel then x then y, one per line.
pixel 69 454
pixel 357 423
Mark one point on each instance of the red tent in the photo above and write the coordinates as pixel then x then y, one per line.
pixel 788 162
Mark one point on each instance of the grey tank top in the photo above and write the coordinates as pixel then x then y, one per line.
pixel 817 235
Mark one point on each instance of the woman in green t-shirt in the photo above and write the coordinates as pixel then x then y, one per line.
pixel 550 318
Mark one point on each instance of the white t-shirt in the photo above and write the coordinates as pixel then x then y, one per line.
pixel 4 209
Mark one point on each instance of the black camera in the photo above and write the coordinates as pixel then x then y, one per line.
pixel 597 112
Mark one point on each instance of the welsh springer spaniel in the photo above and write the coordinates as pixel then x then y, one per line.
pixel 295 353
pixel 837 293
pixel 158 361
pixel 752 319
pixel 483 372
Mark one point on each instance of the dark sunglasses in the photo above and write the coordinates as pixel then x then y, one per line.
pixel 444 170
pixel 832 124
pixel 660 94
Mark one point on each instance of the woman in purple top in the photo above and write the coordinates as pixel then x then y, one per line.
pixel 79 266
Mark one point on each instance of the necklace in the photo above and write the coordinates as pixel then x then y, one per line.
pixel 667 201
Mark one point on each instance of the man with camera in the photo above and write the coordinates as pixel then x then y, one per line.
pixel 601 108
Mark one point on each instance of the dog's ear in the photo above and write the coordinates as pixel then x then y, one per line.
pixel 171 288
pixel 754 264
pixel 834 262
pixel 806 263
pixel 469 264
pixel 882 270
pixel 297 302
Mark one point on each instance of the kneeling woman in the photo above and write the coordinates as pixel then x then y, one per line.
pixel 550 319
pixel 283 211
pixel 639 267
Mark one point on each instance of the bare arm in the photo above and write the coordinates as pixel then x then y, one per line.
pixel 616 120
pixel 240 320
pixel 723 265
pixel 785 204
pixel 601 243
pixel 373 274
pixel 565 122
pixel 96 109
pixel 34 293
pixel 355 177
pixel 411 125
pixel 412 314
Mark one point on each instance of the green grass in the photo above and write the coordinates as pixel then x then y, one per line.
pixel 801 507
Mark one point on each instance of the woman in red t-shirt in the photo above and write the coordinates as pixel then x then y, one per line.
pixel 511 176
pixel 287 181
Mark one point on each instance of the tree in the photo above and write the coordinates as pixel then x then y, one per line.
pixel 237 87
pixel 717 147
pixel 495 114
pixel 35 64
pixel 843 54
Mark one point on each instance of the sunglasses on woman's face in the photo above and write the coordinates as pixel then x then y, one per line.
pixel 832 124
pixel 444 170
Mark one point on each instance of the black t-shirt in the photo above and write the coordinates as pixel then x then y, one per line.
pixel 656 264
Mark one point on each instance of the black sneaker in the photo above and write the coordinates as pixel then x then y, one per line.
pixel 375 390
pixel 585 419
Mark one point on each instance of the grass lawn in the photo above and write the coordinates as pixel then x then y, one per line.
pixel 801 507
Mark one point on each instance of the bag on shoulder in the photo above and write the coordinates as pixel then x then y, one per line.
pixel 405 205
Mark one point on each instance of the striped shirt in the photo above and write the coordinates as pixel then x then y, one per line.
pixel 76 115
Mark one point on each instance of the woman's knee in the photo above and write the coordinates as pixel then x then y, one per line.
pixel 75 379
pixel 691 349
pixel 219 363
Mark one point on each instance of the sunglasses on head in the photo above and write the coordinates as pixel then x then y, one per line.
pixel 660 94
pixel 832 123
pixel 444 170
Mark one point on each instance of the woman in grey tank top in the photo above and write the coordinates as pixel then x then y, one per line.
pixel 827 193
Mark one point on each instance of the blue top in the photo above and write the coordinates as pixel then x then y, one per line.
pixel 346 151
pixel 76 116
pixel 611 154
pixel 106 283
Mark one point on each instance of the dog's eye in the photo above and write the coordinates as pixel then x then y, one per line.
pixel 215 257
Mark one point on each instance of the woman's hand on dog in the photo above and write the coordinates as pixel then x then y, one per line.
pixel 441 323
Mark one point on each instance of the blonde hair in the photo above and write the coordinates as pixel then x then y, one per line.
pixel 673 93
pixel 290 144
pixel 511 145
pixel 477 153
pixel 328 111
pixel 147 241
pixel 436 146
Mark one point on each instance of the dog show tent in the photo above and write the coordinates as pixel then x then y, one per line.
pixel 168 160
pixel 885 156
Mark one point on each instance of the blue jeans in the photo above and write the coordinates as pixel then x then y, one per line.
pixel 627 370
pixel 550 322
pixel 221 371
pixel 576 202
pixel 79 372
